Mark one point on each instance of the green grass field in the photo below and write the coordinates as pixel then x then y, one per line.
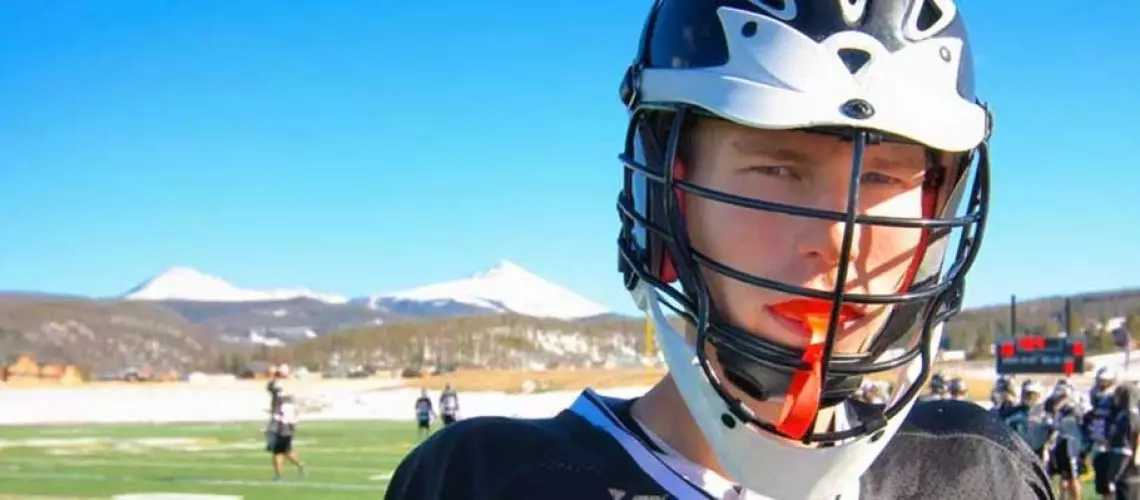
pixel 345 460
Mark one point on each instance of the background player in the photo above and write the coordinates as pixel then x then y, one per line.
pixel 1066 441
pixel 425 413
pixel 957 389
pixel 284 427
pixel 1096 422
pixel 449 405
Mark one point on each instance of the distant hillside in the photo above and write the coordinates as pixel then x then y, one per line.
pixel 103 336
pixel 512 341
pixel 284 320
pixel 1091 313
pixel 489 341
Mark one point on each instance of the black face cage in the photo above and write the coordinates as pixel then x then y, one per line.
pixel 652 224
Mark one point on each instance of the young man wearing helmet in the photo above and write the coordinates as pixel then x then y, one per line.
pixel 794 171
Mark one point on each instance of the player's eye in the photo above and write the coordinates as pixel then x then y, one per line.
pixel 774 171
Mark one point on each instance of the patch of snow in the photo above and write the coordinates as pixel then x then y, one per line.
pixel 506 287
pixel 184 283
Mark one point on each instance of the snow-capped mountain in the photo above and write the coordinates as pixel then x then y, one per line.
pixel 187 284
pixel 506 287
pixel 273 317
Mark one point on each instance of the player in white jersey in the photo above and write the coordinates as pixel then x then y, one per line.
pixel 277 387
pixel 448 405
pixel 283 427
pixel 1036 428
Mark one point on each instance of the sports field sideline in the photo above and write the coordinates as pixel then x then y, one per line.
pixel 345 460
pixel 223 461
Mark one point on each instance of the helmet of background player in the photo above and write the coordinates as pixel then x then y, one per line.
pixel 1105 377
pixel 938 384
pixel 1031 392
pixel 958 387
pixel 845 130
pixel 1126 397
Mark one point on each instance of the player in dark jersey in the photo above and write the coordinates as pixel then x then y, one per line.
pixel 1096 422
pixel 424 414
pixel 795 173
pixel 1123 447
pixel 448 405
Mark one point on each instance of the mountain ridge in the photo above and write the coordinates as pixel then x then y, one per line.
pixel 502 288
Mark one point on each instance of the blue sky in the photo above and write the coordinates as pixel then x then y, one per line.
pixel 360 146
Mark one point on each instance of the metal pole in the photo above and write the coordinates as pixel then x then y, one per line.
pixel 1013 315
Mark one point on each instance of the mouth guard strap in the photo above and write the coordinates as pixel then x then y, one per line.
pixel 801 402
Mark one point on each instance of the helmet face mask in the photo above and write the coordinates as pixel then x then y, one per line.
pixel 726 286
pixel 755 365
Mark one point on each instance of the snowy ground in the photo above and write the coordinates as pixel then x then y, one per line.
pixel 184 403
pixel 361 400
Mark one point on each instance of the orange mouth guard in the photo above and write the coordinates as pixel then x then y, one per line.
pixel 801 402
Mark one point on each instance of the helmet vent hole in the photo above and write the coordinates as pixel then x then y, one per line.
pixel 727 420
pixel 928 15
pixel 927 18
pixel 854 59
pixel 749 29
pixel 784 10
pixel 853 11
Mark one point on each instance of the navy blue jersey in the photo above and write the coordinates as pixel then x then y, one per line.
pixel 595 450
pixel 1097 420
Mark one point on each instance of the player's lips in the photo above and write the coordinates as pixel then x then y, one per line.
pixel 805 316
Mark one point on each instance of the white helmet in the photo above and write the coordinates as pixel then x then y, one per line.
pixel 1106 374
pixel 889 70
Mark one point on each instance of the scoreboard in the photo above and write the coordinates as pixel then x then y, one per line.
pixel 1037 354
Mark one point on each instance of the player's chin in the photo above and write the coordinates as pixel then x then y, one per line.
pixel 769 411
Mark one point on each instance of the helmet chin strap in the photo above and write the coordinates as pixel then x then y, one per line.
pixel 758 460
pixel 763 382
